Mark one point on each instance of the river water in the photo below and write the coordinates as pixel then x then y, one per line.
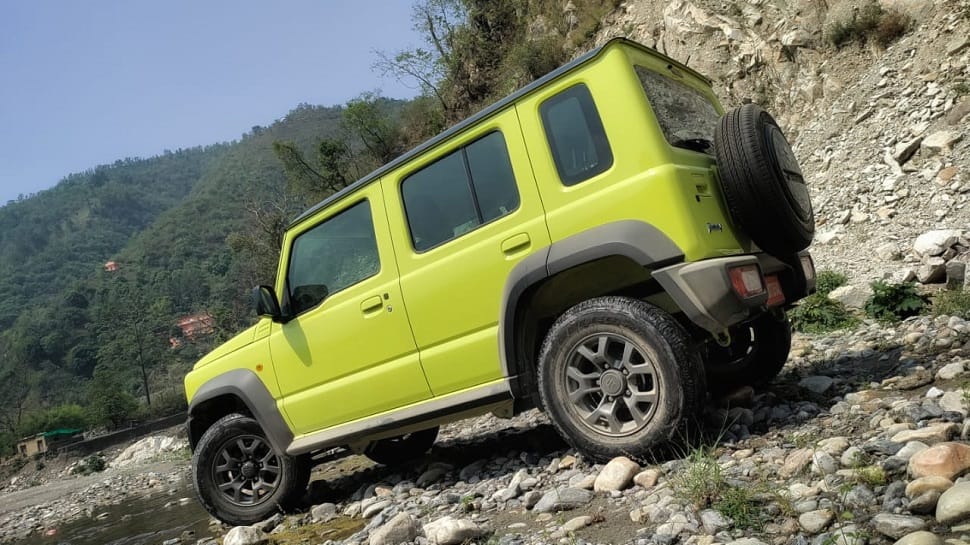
pixel 146 520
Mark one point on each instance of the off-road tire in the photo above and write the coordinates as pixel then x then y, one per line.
pixel 232 434
pixel 403 448
pixel 757 353
pixel 763 185
pixel 634 331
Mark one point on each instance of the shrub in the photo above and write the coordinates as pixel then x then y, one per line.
pixel 894 302
pixel 829 280
pixel 870 23
pixel 819 314
pixel 701 481
pixel 952 303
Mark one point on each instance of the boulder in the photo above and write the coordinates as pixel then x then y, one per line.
pixel 452 531
pixel 245 535
pixel 940 141
pixel 920 538
pixel 922 485
pixel 947 460
pixel 853 297
pixel 934 243
pixel 563 499
pixel 402 528
pixel 897 526
pixel 616 475
pixel 954 504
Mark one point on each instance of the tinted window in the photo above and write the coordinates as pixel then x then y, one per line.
pixel 686 116
pixel 491 171
pixel 576 136
pixel 332 256
pixel 459 192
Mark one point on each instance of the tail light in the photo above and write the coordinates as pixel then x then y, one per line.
pixel 747 280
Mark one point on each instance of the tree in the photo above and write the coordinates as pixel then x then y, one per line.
pixel 132 330
pixel 108 401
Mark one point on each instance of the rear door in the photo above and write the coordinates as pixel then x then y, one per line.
pixel 461 218
pixel 349 352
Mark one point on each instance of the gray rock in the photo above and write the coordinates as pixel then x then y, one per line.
pixel 647 478
pixel 432 475
pixel 574 524
pixel 860 497
pixel 951 371
pixel 402 528
pixel 920 538
pixel 940 141
pixel 563 499
pixel 853 457
pixel 823 463
pixel 853 297
pixel 925 503
pixel 954 504
pixel 932 271
pixel 713 521
pixel 814 522
pixel 616 475
pixel 905 150
pixel 323 512
pixel 934 243
pixel 245 535
pixel 953 401
pixel 452 531
pixel 956 274
pixel 897 526
pixel 817 384
pixel 531 498
pixel 910 449
pixel 375 508
pixel 746 541
pixel 471 470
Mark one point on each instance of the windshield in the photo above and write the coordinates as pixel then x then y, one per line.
pixel 687 117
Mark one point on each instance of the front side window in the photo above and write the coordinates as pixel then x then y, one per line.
pixel 686 116
pixel 464 189
pixel 576 135
pixel 332 256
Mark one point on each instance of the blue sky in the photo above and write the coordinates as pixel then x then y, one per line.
pixel 87 82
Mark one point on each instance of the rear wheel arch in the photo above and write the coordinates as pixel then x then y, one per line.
pixel 626 251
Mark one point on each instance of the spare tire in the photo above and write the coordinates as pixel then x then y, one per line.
pixel 763 185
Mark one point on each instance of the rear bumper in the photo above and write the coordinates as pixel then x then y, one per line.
pixel 704 292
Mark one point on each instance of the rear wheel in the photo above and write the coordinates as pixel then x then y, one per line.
pixel 617 376
pixel 239 478
pixel 403 448
pixel 757 353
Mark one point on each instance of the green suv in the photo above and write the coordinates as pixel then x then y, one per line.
pixel 604 244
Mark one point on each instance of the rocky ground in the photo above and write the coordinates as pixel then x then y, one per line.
pixel 861 440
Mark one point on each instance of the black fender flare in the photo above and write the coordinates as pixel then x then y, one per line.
pixel 246 386
pixel 639 241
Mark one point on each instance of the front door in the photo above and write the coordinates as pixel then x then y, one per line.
pixel 349 352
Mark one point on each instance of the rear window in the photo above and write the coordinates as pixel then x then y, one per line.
pixel 686 116
pixel 576 136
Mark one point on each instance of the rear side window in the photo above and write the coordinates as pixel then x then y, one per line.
pixel 464 189
pixel 332 256
pixel 686 116
pixel 576 136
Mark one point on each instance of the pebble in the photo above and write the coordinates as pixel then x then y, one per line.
pixel 954 505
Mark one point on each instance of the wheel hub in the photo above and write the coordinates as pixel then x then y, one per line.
pixel 249 469
pixel 612 382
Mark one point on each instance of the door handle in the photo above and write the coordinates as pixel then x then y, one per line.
pixel 372 304
pixel 516 243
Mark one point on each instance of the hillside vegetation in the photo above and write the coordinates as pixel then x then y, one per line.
pixel 191 232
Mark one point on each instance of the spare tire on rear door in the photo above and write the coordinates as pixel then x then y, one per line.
pixel 763 185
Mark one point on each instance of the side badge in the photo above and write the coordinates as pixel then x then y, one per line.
pixel 711 227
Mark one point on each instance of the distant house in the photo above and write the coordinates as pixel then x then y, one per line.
pixel 48 440
pixel 196 325
pixel 111 266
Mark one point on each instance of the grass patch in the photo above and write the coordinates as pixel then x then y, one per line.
pixel 871 476
pixel 334 530
pixel 952 303
pixel 869 24
pixel 819 314
pixel 702 482
pixel 894 302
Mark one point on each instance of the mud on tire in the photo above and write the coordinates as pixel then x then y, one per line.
pixel 618 376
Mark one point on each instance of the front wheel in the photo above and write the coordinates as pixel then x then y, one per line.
pixel 239 478
pixel 618 377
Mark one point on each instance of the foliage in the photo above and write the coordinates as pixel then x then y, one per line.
pixel 819 314
pixel 108 403
pixel 701 480
pixel 740 504
pixel 70 416
pixel 827 281
pixel 952 303
pixel 894 302
pixel 89 465
pixel 871 23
